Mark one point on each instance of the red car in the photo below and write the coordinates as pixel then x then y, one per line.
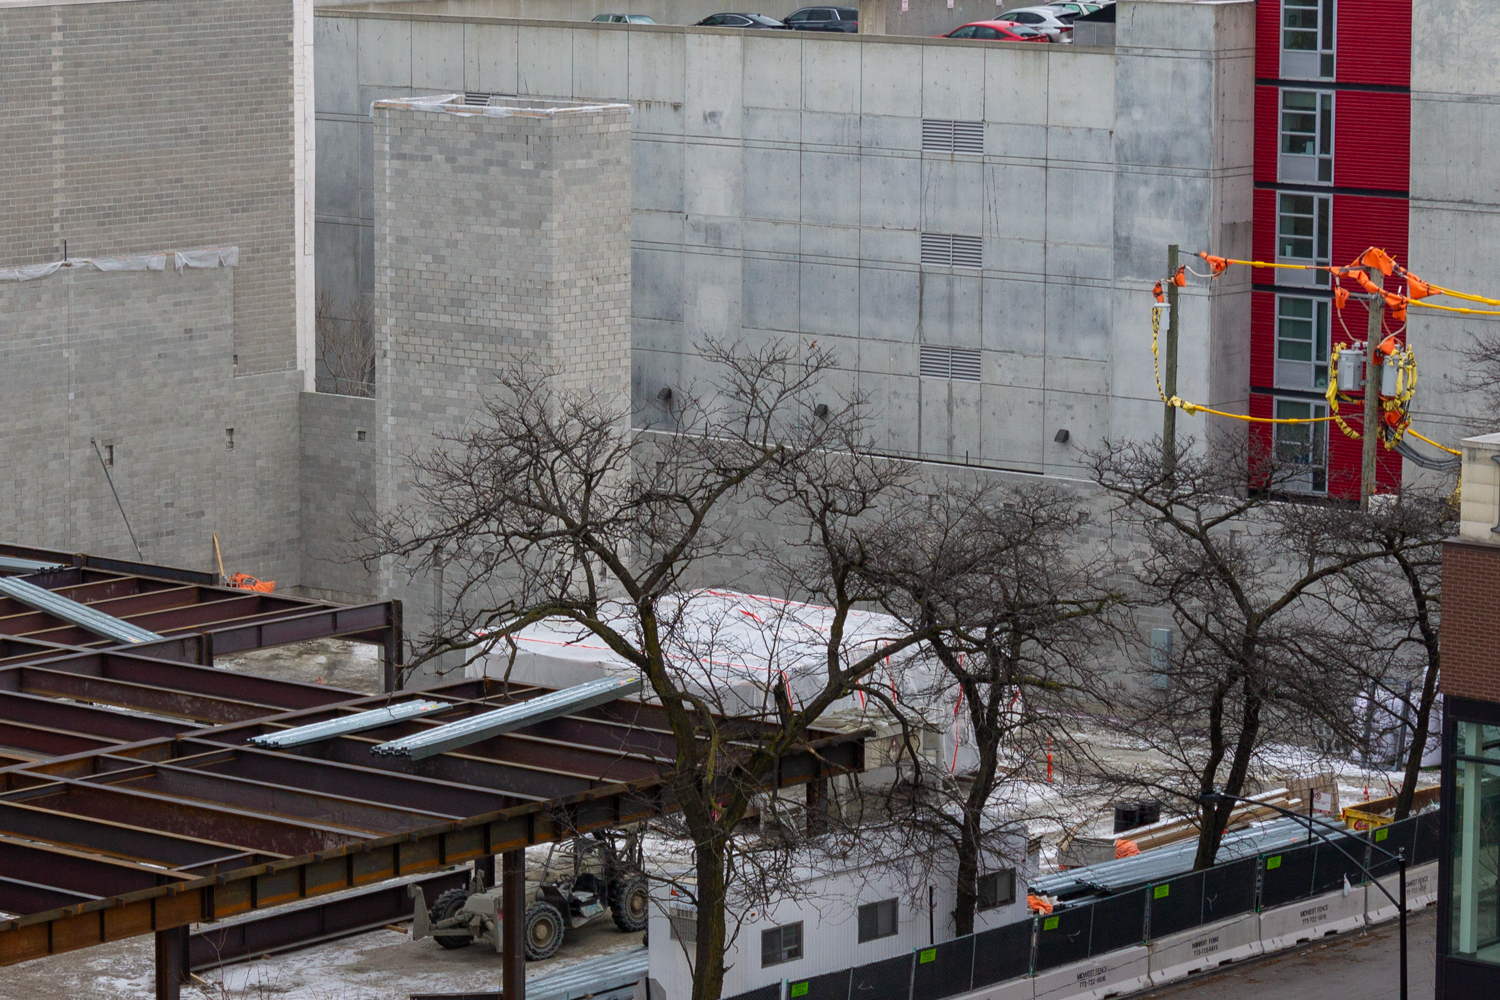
pixel 996 31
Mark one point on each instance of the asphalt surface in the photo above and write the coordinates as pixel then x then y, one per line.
pixel 1364 964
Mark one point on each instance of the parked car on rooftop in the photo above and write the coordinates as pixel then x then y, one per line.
pixel 626 18
pixel 1076 9
pixel 1055 24
pixel 996 31
pixel 740 21
pixel 845 19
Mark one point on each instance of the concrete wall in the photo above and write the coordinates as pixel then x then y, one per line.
pixel 1455 203
pixel 781 189
pixel 337 438
pixel 502 235
pixel 142 361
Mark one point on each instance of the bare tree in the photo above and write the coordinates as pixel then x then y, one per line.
pixel 549 507
pixel 1245 575
pixel 1030 614
pixel 1378 634
pixel 1483 377
pixel 346 347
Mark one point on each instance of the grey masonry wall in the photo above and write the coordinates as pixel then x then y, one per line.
pixel 140 362
pixel 502 234
pixel 1455 204
pixel 137 127
pixel 781 189
pixel 337 481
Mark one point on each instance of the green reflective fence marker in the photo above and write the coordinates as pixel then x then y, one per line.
pixel 1273 862
pixel 1049 924
pixel 927 955
pixel 1382 833
pixel 1161 892
pixel 799 989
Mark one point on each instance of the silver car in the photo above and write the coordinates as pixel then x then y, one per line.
pixel 1057 25
pixel 626 18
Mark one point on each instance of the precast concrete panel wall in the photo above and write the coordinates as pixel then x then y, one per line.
pixel 782 189
pixel 337 442
pixel 1454 221
pixel 139 363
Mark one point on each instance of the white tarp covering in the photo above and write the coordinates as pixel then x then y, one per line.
pixel 206 257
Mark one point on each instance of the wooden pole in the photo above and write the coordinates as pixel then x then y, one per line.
pixel 1375 309
pixel 1169 418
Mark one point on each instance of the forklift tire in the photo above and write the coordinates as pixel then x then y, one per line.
pixel 448 905
pixel 544 931
pixel 630 903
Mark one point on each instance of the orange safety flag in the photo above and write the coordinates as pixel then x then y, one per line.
pixel 1157 292
pixel 1180 278
pixel 1378 259
pixel 1340 296
pixel 1388 345
pixel 1038 904
pixel 1126 849
pixel 1416 288
pixel 1218 264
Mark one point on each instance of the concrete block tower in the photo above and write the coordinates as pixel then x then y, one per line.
pixel 501 233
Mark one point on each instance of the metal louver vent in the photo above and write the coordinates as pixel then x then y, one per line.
pixel 949 363
pixel 965 365
pixel 949 250
pixel 968 251
pixel 933 362
pixel 939 135
pixel 479 99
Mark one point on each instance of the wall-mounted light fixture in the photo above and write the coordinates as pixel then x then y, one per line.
pixel 821 411
pixel 1061 437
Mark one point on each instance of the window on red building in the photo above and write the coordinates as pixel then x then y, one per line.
pixel 1307 39
pixel 1301 343
pixel 1306 137
pixel 1303 445
pixel 1302 236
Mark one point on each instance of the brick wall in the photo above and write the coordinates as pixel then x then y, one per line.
pixel 1471 609
pixel 151 125
pixel 141 362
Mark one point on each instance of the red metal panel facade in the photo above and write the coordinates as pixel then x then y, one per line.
pixel 1360 222
pixel 1267 100
pixel 1262 338
pixel 1268 40
pixel 1373 42
pixel 1371 153
pixel 1371 140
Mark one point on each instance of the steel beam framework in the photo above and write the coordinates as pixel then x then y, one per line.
pixel 132 800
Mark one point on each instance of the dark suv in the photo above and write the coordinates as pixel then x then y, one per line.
pixel 844 19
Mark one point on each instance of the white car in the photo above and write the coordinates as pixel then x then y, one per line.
pixel 1055 24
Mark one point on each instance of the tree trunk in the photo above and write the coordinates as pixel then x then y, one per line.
pixel 708 960
pixel 968 877
pixel 1419 729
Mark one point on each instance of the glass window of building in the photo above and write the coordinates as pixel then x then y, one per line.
pixel 1307 39
pixel 1301 449
pixel 1301 343
pixel 878 920
pixel 1306 152
pixel 1302 225
pixel 781 944
pixel 1474 928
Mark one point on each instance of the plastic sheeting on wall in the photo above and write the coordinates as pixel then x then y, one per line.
pixel 205 257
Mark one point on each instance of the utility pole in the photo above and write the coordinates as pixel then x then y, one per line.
pixel 1169 418
pixel 1375 309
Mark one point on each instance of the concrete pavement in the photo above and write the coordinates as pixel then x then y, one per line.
pixel 1365 964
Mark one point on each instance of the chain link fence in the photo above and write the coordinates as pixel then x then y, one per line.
pixel 1086 929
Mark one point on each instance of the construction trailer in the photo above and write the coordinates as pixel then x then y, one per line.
pixel 135 797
